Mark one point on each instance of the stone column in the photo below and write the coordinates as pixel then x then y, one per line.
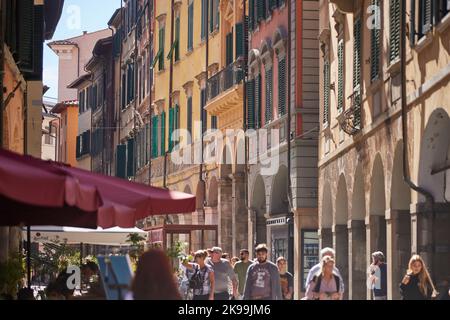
pixel 357 260
pixel 225 215
pixel 340 244
pixel 398 250
pixel 197 219
pixel 251 231
pixel 326 238
pixel 240 215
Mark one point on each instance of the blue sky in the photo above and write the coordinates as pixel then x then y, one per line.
pixel 78 16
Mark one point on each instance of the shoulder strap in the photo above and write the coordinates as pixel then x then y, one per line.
pixel 318 282
pixel 338 280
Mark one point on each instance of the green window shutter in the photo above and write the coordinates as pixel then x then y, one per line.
pixel 161 48
pixel 412 22
pixel 171 127
pixel 121 161
pixel 251 104
pixel 239 39
pixel 269 96
pixel 273 4
pixel 340 75
pixel 261 10
pixel 191 27
pixel 251 15
pixel 375 48
pixel 211 16
pixel 177 39
pixel 229 49
pixel 326 91
pixel 25 23
pixel 124 91
pixel 189 119
pixel 203 113
pixel 78 146
pixel 357 53
pixel 394 30
pixel 163 134
pixel 204 19
pixel 177 123
pixel 155 134
pixel 130 158
pixel 282 86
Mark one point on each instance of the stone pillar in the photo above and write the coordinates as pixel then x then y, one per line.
pixel 326 238
pixel 240 215
pixel 251 231
pixel 398 250
pixel 340 244
pixel 197 219
pixel 225 215
pixel 4 243
pixel 357 260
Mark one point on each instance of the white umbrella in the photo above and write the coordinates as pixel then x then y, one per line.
pixel 107 237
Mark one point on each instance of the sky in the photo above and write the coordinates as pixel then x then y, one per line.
pixel 77 16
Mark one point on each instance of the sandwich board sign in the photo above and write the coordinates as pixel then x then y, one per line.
pixel 116 275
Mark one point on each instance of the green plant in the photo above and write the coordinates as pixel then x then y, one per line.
pixel 176 253
pixel 12 273
pixel 136 242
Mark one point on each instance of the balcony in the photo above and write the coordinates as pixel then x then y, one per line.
pixel 350 119
pixel 225 90
pixel 346 6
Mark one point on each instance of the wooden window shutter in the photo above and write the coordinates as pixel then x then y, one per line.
pixel 375 48
pixel 258 102
pixel 163 134
pixel 189 119
pixel 261 9
pixel 171 127
pixel 269 88
pixel 191 27
pixel 161 48
pixel 394 30
pixel 229 48
pixel 25 23
pixel 357 53
pixel 251 104
pixel 155 142
pixel 426 17
pixel 251 15
pixel 239 39
pixel 326 91
pixel 121 160
pixel 340 104
pixel 130 158
pixel 204 19
pixel 282 84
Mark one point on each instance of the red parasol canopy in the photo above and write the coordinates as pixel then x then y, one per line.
pixel 37 192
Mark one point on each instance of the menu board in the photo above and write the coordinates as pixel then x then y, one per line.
pixel 310 253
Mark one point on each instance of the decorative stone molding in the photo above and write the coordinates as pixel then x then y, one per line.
pixel 279 41
pixel 177 5
pixel 254 62
pixel 159 106
pixel 213 68
pixel 201 79
pixel 324 39
pixel 266 54
pixel 188 88
pixel 176 97
pixel 339 18
pixel 161 19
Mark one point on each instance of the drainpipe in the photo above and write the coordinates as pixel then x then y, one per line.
pixel 113 90
pixel 172 21
pixel 244 104
pixel 150 84
pixel 429 197
pixel 119 109
pixel 290 219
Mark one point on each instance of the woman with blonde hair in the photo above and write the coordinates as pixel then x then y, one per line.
pixel 417 283
pixel 326 284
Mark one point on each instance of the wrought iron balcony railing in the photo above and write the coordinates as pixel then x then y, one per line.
pixel 350 119
pixel 224 80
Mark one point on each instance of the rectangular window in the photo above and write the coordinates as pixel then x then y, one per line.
pixel 130 158
pixel 261 10
pixel 239 39
pixel 163 134
pixel 214 15
pixel 121 161
pixel 203 113
pixel 213 122
pixel 204 19
pixel 258 101
pixel 394 30
pixel 426 17
pixel 357 53
pixel 155 134
pixel 190 45
pixel 229 49
pixel 251 15
pixel 161 48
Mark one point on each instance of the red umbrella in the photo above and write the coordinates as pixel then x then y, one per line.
pixel 36 192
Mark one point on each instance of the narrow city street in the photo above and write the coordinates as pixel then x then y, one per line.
pixel 245 150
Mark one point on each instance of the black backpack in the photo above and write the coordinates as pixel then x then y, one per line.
pixel 318 281
pixel 196 281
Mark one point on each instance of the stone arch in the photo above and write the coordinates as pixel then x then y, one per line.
pixel 279 198
pixel 226 166
pixel 377 210
pixel 357 238
pixel 399 223
pixel 340 234
pixel 326 218
pixel 341 213
pixel 212 194
pixel 434 154
pixel 434 176
pixel 240 153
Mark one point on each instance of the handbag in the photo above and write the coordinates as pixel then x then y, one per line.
pixel 196 281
